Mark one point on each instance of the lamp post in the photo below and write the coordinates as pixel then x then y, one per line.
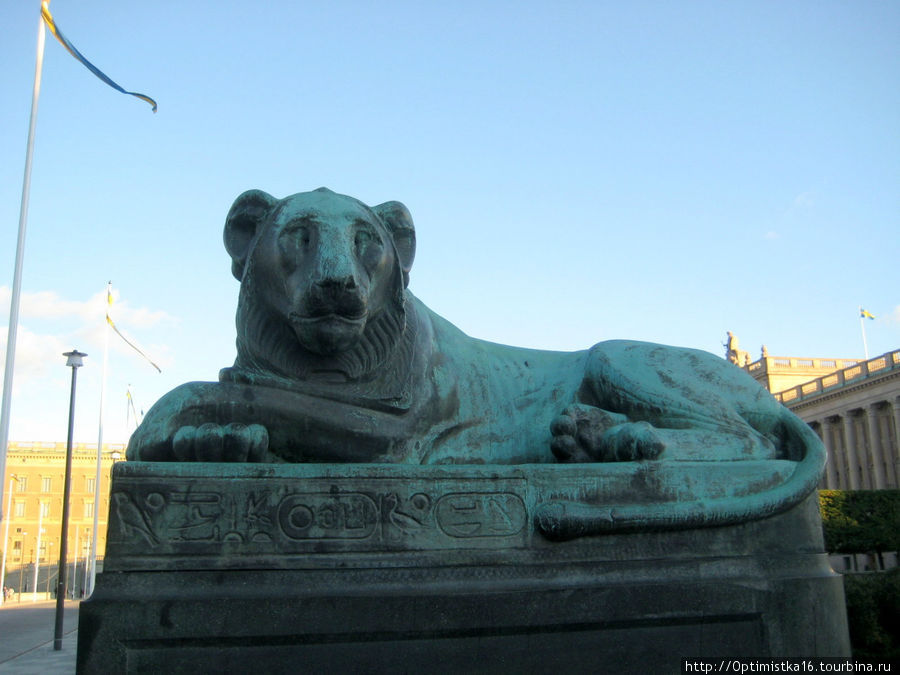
pixel 22 567
pixel 7 518
pixel 87 560
pixel 74 361
pixel 49 569
pixel 37 549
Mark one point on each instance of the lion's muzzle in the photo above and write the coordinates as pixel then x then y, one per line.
pixel 328 334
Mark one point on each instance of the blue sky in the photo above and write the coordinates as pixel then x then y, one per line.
pixel 577 171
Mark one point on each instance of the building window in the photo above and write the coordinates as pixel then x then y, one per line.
pixel 46 484
pixel 89 485
pixel 45 509
pixel 89 509
pixel 19 510
pixel 22 484
pixel 43 552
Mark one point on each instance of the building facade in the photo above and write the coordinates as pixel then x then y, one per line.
pixel 855 410
pixel 778 373
pixel 854 407
pixel 32 524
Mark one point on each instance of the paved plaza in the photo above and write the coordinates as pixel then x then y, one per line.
pixel 26 638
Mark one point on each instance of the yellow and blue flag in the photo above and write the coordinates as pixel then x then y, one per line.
pixel 51 24
pixel 863 314
pixel 109 302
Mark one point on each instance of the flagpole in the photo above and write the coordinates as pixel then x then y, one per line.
pixel 6 543
pixel 93 560
pixel 37 550
pixel 862 327
pixel 20 255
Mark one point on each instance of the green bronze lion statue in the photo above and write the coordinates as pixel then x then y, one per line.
pixel 338 362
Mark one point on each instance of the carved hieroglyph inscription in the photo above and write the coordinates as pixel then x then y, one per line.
pixel 190 517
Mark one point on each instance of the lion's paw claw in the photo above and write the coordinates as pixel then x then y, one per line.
pixel 584 433
pixel 233 442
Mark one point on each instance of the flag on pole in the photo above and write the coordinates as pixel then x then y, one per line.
pixel 51 24
pixel 109 302
pixel 130 409
pixel 863 314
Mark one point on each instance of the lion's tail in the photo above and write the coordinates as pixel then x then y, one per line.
pixel 562 520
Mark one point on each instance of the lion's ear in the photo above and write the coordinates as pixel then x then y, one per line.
pixel 399 221
pixel 245 215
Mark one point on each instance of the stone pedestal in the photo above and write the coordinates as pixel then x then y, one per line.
pixel 382 568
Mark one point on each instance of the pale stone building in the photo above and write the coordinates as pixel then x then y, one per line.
pixel 854 407
pixel 852 404
pixel 33 496
pixel 778 373
pixel 855 410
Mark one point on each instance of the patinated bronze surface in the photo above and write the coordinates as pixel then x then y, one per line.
pixel 338 362
pixel 368 489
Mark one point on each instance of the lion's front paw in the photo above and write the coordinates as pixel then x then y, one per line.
pixel 584 433
pixel 631 441
pixel 221 443
pixel 578 433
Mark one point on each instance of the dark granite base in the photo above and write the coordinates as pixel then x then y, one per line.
pixel 507 601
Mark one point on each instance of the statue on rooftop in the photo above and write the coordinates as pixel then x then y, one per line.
pixel 734 354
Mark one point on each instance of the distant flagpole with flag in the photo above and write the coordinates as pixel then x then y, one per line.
pixel 130 410
pixel 109 324
pixel 112 324
pixel 45 19
pixel 863 315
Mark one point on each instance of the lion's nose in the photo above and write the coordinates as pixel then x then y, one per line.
pixel 337 284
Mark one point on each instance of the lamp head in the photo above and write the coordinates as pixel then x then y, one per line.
pixel 74 358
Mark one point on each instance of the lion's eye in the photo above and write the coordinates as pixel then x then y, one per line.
pixel 362 239
pixel 301 237
pixel 367 243
pixel 295 240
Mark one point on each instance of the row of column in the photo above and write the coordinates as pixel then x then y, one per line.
pixel 867 460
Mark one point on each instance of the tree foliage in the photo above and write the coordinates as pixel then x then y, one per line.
pixel 873 614
pixel 860 521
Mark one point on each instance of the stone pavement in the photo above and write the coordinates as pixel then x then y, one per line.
pixel 26 638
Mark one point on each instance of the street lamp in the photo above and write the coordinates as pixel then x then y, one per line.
pixel 22 566
pixel 6 515
pixel 73 361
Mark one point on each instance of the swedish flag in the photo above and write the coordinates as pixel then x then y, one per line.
pixel 51 24
pixel 109 302
pixel 863 314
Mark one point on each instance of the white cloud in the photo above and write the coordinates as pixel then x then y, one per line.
pixel 49 305
pixel 771 234
pixel 804 200
pixel 33 351
pixel 800 206
pixel 81 324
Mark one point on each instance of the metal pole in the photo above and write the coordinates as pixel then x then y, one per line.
pixel 37 552
pixel 862 327
pixel 6 542
pixel 74 361
pixel 20 255
pixel 93 561
pixel 75 565
pixel 87 568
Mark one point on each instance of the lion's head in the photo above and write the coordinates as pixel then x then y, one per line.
pixel 323 279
